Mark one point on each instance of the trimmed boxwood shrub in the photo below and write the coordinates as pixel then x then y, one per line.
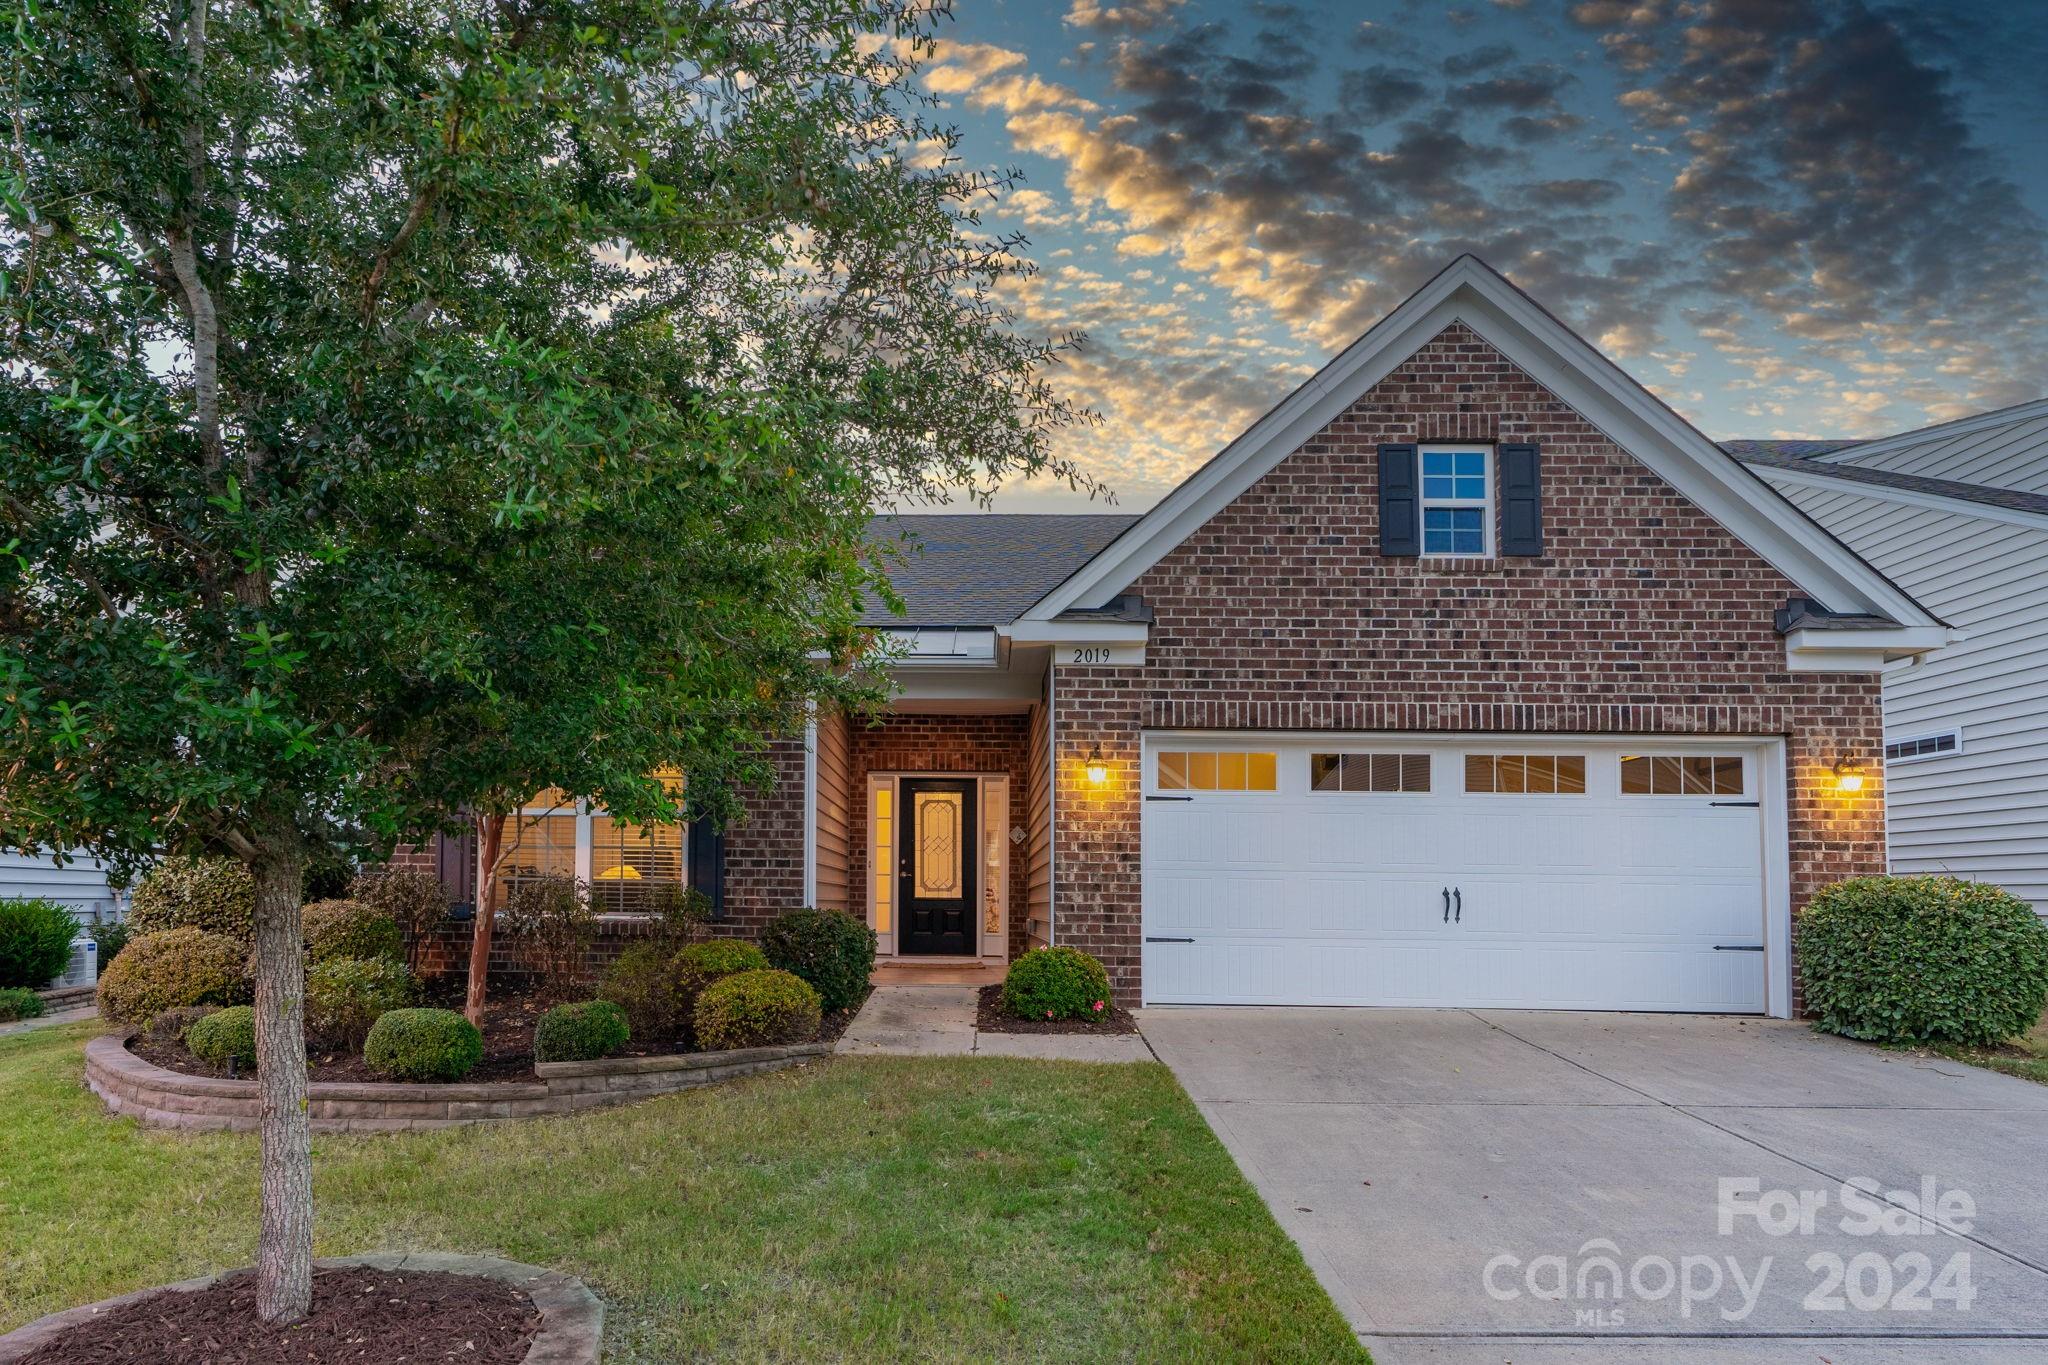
pixel 224 1036
pixel 35 942
pixel 582 1032
pixel 1922 959
pixel 19 1002
pixel 1056 983
pixel 642 982
pixel 828 948
pixel 176 967
pixel 423 1045
pixel 350 929
pixel 214 894
pixel 700 964
pixel 346 995
pixel 756 1009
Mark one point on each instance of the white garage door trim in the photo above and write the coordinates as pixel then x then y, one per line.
pixel 1767 785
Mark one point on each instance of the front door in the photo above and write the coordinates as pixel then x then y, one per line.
pixel 935 872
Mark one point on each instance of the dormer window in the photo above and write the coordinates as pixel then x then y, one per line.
pixel 1457 501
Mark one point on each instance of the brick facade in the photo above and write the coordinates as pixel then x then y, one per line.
pixel 1642 615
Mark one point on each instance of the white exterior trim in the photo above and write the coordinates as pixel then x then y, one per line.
pixel 811 809
pixel 1911 497
pixel 1471 292
pixel 987 788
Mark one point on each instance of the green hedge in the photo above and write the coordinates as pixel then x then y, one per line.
pixel 214 894
pixel 346 995
pixel 35 942
pixel 582 1032
pixel 224 1036
pixel 19 1002
pixel 176 967
pixel 830 949
pixel 756 1009
pixel 343 928
pixel 423 1045
pixel 642 982
pixel 1922 959
pixel 1056 983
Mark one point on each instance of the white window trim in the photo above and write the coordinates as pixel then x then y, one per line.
pixel 1955 730
pixel 1748 792
pixel 585 848
pixel 1424 502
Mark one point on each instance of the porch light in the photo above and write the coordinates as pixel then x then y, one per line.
pixel 1098 767
pixel 1848 777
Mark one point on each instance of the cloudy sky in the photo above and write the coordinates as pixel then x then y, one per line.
pixel 1787 217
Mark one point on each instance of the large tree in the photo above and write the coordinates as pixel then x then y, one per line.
pixel 403 401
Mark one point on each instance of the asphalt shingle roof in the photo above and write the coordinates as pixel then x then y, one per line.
pixel 2011 499
pixel 983 568
pixel 1797 450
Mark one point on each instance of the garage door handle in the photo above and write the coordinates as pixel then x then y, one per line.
pixel 1150 939
pixel 1459 893
pixel 1447 905
pixel 1738 947
pixel 1169 798
pixel 1735 803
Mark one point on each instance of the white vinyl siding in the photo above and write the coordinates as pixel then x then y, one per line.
pixel 2006 455
pixel 1981 813
pixel 80 884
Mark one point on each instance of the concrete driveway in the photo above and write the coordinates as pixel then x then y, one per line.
pixel 1462 1182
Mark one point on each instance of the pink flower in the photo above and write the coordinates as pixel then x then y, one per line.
pixel 1098 1005
pixel 1048 1014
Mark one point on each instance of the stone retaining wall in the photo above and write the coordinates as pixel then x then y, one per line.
pixel 170 1099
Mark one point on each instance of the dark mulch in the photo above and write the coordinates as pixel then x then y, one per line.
pixel 509 1022
pixel 359 1317
pixel 990 1017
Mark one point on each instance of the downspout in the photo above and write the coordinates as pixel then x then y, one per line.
pixel 811 808
pixel 1052 802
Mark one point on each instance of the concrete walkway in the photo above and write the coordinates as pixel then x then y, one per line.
pixel 938 1021
pixel 1462 1181
pixel 49 1020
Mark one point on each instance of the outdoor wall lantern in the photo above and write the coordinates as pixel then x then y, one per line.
pixel 1848 777
pixel 1098 767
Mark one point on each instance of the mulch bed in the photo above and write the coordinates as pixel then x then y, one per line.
pixel 990 1017
pixel 360 1317
pixel 509 1022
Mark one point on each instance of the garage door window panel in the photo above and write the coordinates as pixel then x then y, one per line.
pixel 1526 774
pixel 1234 770
pixel 1681 775
pixel 1369 772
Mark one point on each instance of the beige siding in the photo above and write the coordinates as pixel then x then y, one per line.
pixel 834 891
pixel 1038 848
pixel 1981 813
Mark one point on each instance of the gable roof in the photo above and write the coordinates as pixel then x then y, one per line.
pixel 1878 482
pixel 1470 291
pixel 982 568
pixel 1940 431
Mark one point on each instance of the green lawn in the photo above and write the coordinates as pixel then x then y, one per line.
pixel 898 1208
pixel 2025 1056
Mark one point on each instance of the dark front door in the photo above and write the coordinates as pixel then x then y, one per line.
pixel 935 873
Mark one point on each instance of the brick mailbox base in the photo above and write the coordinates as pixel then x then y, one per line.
pixel 171 1099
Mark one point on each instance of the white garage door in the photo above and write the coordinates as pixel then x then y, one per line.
pixel 1516 873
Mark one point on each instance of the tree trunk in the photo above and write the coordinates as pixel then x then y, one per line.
pixel 491 844
pixel 284 1248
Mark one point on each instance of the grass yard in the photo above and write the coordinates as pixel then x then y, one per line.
pixel 879 1208
pixel 2025 1056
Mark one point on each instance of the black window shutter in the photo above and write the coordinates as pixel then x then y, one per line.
pixel 1521 500
pixel 1400 501
pixel 455 865
pixel 707 864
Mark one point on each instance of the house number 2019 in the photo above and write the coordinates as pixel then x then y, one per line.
pixel 1097 655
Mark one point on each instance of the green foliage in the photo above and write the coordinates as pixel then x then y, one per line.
pixel 580 1032
pixel 699 965
pixel 224 1036
pixel 553 915
pixel 345 996
pixel 1922 959
pixel 1056 983
pixel 828 948
pixel 756 1009
pixel 111 936
pixel 423 1045
pixel 183 966
pixel 415 900
pixel 214 894
pixel 19 1002
pixel 641 981
pixel 350 929
pixel 168 1026
pixel 35 942
pixel 676 916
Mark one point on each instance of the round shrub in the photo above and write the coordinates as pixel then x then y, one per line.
pixel 350 929
pixel 346 995
pixel 642 982
pixel 214 894
pixel 756 1009
pixel 175 967
pixel 423 1045
pixel 224 1036
pixel 1056 983
pixel 35 942
pixel 19 1002
pixel 582 1032
pixel 700 964
pixel 828 948
pixel 1923 959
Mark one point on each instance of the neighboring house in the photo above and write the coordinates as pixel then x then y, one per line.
pixel 80 883
pixel 1469 675
pixel 1957 515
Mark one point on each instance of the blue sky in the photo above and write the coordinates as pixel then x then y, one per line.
pixel 1787 217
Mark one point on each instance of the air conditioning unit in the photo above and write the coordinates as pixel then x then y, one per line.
pixel 84 967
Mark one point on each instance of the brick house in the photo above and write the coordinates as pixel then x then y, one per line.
pixel 1469 675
